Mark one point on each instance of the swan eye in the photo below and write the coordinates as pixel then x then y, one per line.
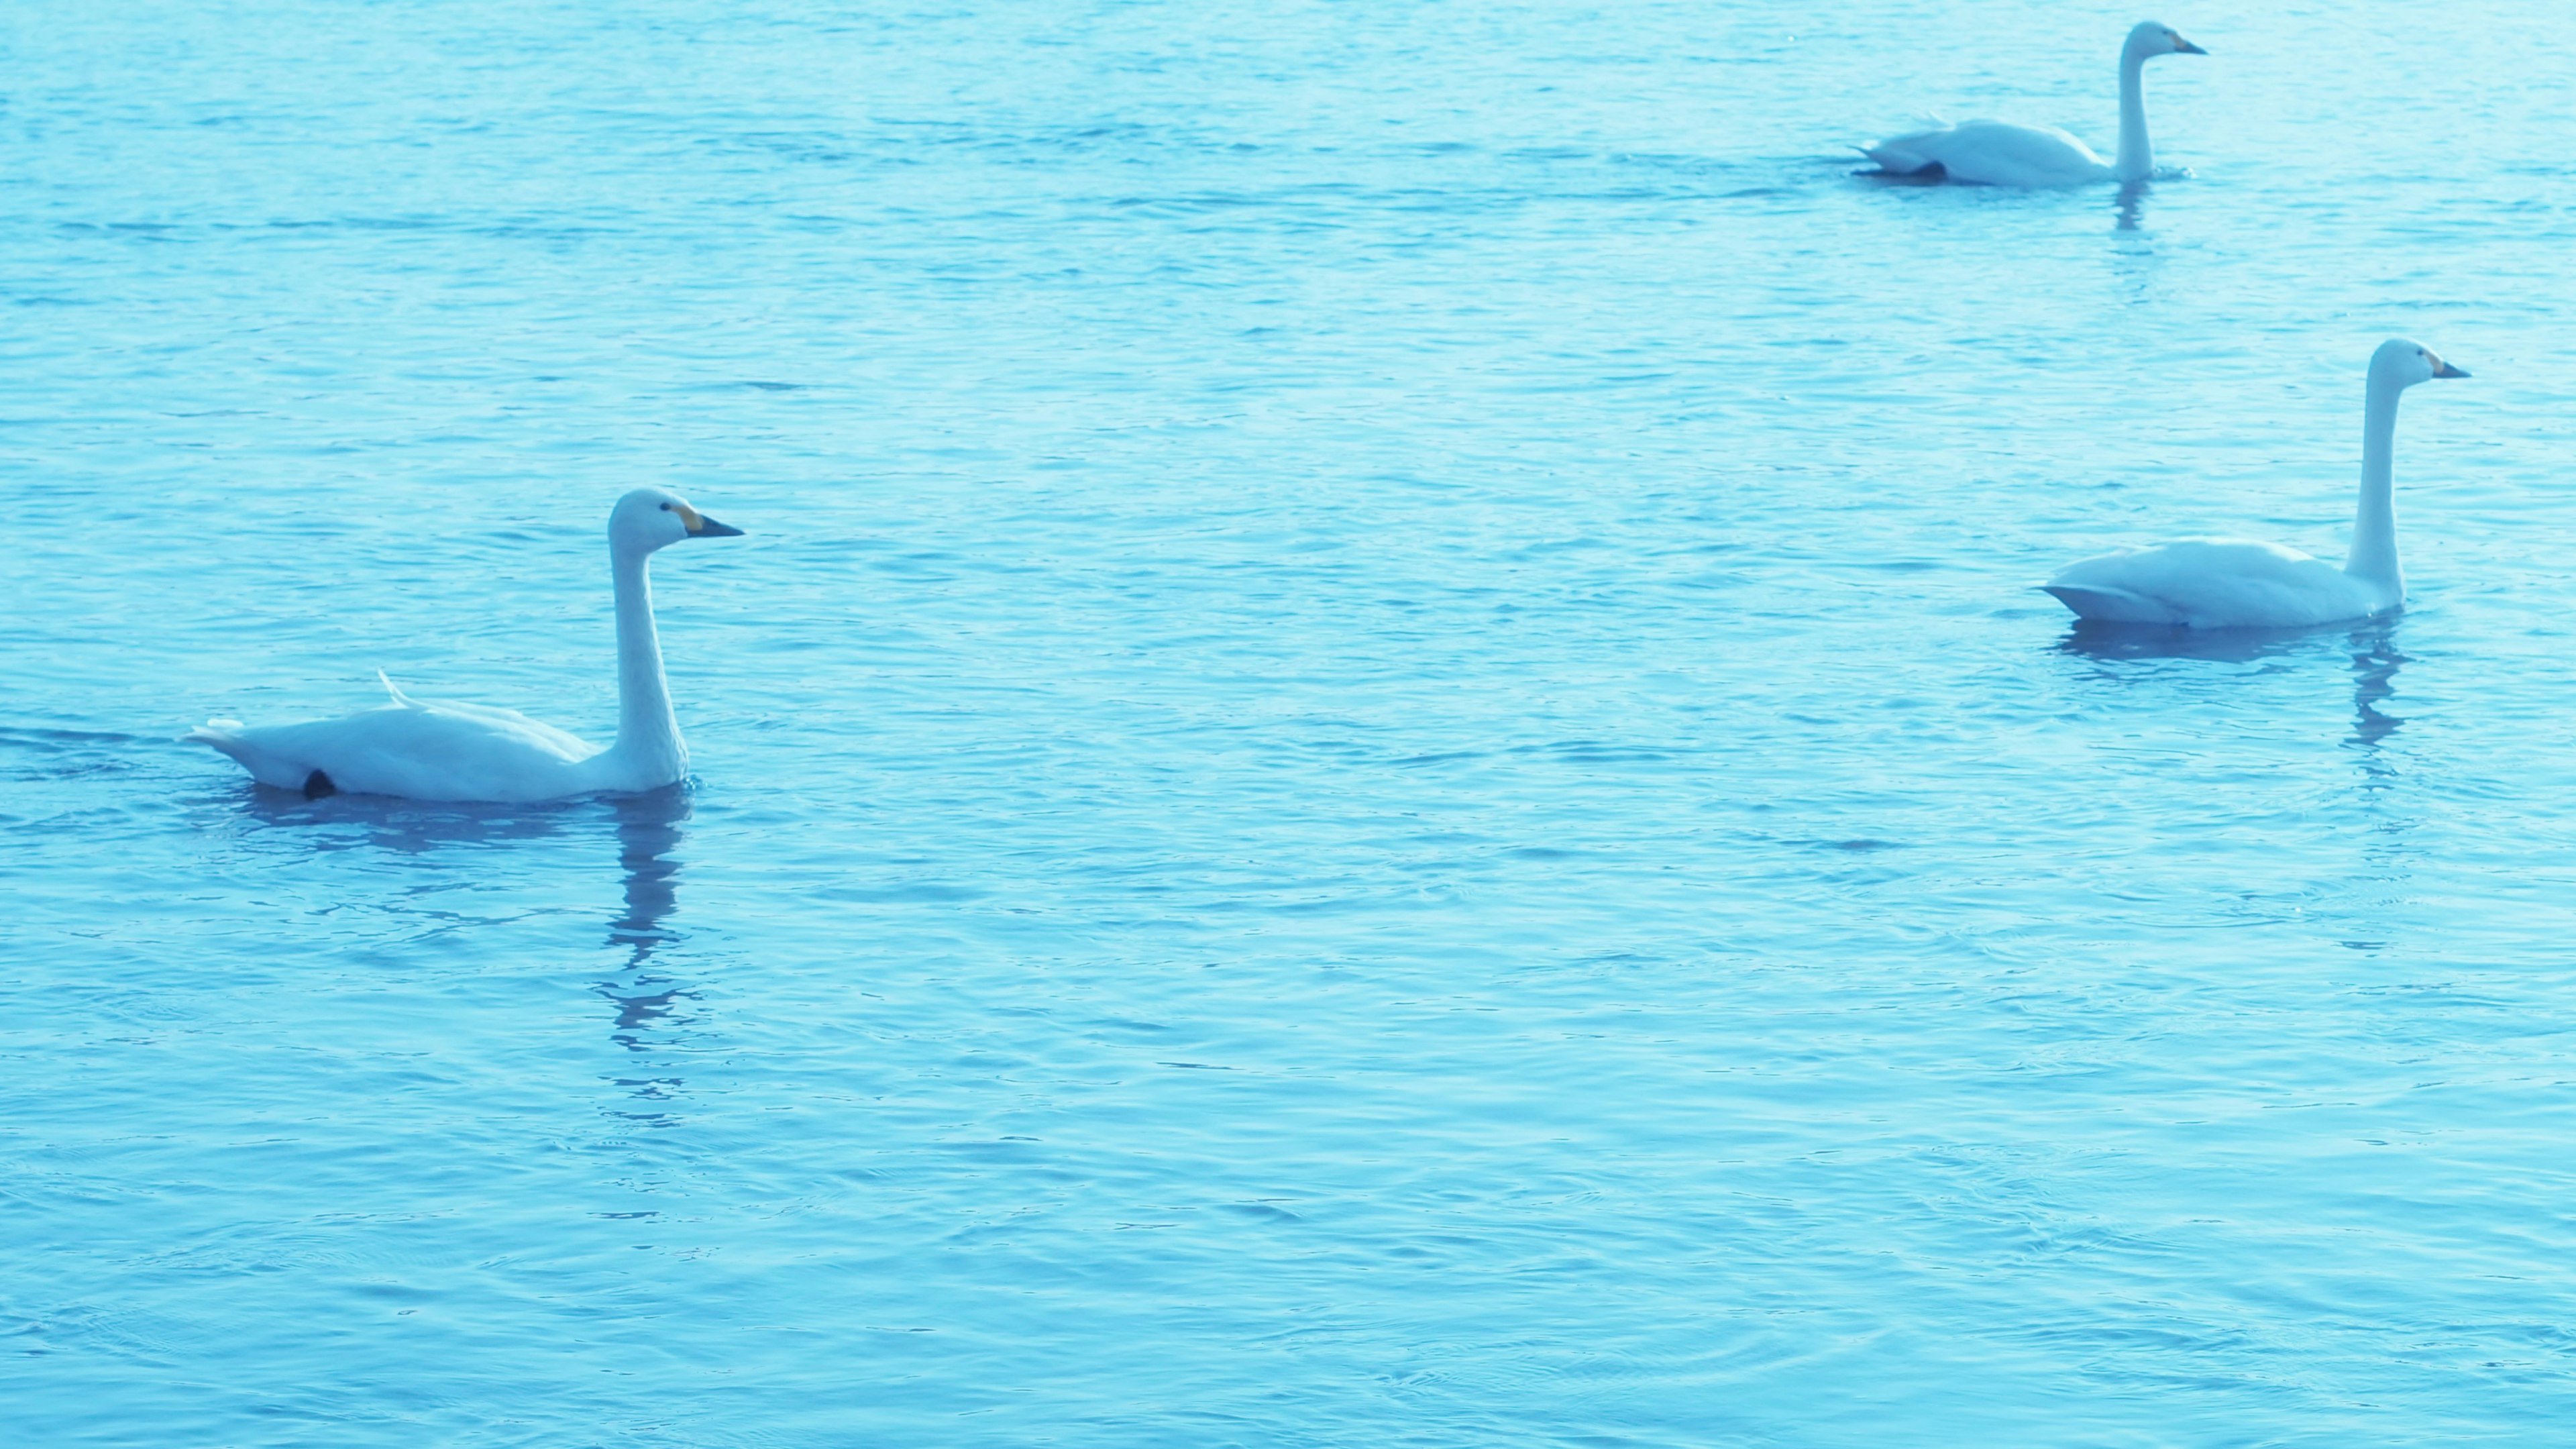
pixel 666 508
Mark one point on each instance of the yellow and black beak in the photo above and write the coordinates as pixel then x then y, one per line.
pixel 2444 369
pixel 701 526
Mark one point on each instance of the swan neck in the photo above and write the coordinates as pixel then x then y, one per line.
pixel 648 736
pixel 2137 159
pixel 2374 524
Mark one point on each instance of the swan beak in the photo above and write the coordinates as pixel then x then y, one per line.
pixel 701 526
pixel 2444 369
pixel 2185 47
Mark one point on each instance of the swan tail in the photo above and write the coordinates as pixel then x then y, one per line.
pixel 2117 606
pixel 264 765
pixel 1894 159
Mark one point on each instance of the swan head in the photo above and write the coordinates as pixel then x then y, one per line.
pixel 649 518
pixel 2154 37
pixel 2403 362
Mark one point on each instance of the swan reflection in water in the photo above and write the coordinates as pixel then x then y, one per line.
pixel 2375 661
pixel 648 832
pixel 339 823
pixel 2373 645
pixel 648 836
pixel 2384 823
pixel 2132 207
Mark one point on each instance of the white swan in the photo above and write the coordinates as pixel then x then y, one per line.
pixel 1999 153
pixel 437 751
pixel 2235 583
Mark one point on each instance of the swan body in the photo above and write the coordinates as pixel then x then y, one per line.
pixel 2004 153
pixel 2236 583
pixel 1991 153
pixel 433 750
pixel 2216 583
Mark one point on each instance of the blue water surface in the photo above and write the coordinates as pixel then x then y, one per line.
pixel 1380 770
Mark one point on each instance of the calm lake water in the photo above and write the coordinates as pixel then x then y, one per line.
pixel 1381 769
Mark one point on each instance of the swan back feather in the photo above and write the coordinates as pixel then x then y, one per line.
pixel 418 749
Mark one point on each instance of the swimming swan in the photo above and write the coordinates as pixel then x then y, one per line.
pixel 2235 583
pixel 1999 153
pixel 437 751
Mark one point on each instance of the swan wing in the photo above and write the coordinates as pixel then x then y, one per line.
pixel 420 749
pixel 1992 153
pixel 2212 583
